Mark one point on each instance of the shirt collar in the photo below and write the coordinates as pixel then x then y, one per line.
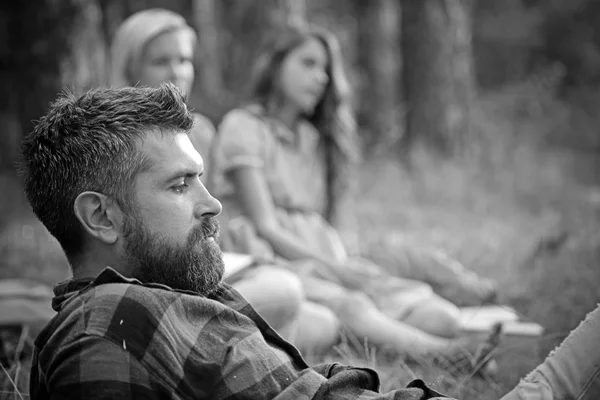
pixel 65 290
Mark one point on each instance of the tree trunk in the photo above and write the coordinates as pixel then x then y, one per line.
pixel 209 80
pixel 437 72
pixel 292 11
pixel 49 45
pixel 10 134
pixel 29 79
pixel 113 14
pixel 85 65
pixel 244 26
pixel 378 39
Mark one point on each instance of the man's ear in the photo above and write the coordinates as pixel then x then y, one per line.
pixel 99 216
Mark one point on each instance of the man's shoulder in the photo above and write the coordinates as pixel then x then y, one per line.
pixel 104 305
pixel 110 324
pixel 141 314
pixel 107 308
pixel 126 314
pixel 112 307
pixel 124 309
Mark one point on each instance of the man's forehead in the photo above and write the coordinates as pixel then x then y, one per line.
pixel 162 147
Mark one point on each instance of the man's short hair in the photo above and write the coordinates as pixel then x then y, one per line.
pixel 88 143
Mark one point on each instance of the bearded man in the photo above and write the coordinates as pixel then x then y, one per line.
pixel 115 178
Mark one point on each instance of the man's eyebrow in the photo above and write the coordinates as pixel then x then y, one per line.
pixel 184 172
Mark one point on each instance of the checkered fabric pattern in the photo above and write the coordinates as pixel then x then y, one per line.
pixel 116 338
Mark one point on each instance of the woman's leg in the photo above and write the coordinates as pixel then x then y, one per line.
pixel 436 316
pixel 447 276
pixel 572 371
pixel 316 329
pixel 276 294
pixel 407 300
pixel 359 315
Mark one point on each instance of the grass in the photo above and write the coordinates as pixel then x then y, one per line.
pixel 524 182
pixel 499 210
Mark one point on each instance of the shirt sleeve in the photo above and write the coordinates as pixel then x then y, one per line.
pixel 242 141
pixel 95 368
pixel 335 381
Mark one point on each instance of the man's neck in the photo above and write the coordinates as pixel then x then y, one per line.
pixel 92 264
pixel 83 273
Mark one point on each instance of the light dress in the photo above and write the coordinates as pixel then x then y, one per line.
pixel 294 169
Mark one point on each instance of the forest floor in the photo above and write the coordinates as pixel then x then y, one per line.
pixel 531 176
pixel 525 211
pixel 542 246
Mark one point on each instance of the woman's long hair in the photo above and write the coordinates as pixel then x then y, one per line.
pixel 133 35
pixel 332 117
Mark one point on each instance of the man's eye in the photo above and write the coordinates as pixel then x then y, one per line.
pixel 181 188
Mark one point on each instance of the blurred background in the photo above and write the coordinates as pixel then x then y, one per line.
pixel 478 121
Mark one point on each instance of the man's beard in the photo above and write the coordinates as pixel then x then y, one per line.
pixel 196 265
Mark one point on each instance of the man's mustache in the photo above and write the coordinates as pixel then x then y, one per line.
pixel 208 228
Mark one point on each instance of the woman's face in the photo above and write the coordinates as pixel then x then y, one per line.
pixel 303 76
pixel 168 58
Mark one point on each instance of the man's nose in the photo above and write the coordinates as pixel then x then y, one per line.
pixel 207 205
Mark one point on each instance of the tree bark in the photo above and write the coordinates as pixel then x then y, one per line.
pixel 209 75
pixel 209 80
pixel 85 65
pixel 48 45
pixel 30 78
pixel 437 73
pixel 378 60
pixel 244 26
pixel 10 134
pixel 292 11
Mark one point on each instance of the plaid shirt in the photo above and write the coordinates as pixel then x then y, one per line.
pixel 115 338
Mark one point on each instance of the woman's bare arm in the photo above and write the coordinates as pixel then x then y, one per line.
pixel 253 193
